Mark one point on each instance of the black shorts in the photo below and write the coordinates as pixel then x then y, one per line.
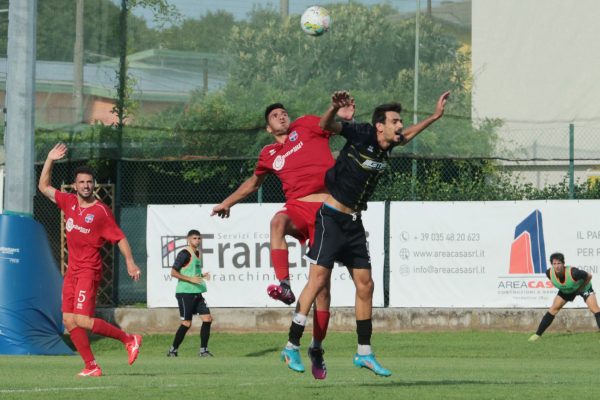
pixel 339 237
pixel 190 304
pixel 571 296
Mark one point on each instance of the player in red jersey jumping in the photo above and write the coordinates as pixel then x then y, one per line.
pixel 299 157
pixel 89 223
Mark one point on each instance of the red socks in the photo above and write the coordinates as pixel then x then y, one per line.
pixel 281 265
pixel 320 324
pixel 81 341
pixel 103 328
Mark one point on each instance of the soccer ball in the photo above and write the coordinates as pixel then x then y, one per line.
pixel 315 21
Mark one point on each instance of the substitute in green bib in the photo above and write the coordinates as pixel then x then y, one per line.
pixel 187 269
pixel 570 282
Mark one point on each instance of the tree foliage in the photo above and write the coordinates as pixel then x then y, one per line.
pixel 370 51
pixel 56 28
pixel 209 34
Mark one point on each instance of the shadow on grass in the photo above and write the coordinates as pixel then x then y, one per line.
pixel 262 352
pixel 443 382
pixel 192 373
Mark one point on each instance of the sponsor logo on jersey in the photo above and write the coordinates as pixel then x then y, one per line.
pixel 89 218
pixel 374 165
pixel 370 149
pixel 70 225
pixel 279 161
pixel 293 136
pixel 271 152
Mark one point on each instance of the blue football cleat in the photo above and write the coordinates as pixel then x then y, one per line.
pixel 371 363
pixel 292 358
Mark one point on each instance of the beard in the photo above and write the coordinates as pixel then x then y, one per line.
pixel 88 197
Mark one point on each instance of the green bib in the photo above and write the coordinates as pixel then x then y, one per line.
pixel 569 285
pixel 194 268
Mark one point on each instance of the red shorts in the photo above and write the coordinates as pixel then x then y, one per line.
pixel 302 214
pixel 79 295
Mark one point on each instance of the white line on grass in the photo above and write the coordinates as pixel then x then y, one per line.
pixel 56 389
pixel 40 390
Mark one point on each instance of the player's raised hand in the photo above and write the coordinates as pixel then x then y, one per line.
pixel 58 152
pixel 220 210
pixel 441 105
pixel 347 113
pixel 341 98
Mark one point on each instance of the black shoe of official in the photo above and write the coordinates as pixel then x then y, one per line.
pixel 172 353
pixel 205 353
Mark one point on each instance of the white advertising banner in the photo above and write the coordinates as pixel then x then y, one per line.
pixel 236 253
pixel 487 254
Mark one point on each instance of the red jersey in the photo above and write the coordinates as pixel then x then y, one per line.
pixel 301 161
pixel 87 230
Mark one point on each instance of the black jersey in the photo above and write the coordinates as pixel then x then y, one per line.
pixel 354 176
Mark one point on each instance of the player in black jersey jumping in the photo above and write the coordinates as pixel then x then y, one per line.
pixel 339 231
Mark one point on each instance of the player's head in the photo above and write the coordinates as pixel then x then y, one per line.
pixel 559 257
pixel 194 238
pixel 558 262
pixel 83 181
pixel 277 119
pixel 386 119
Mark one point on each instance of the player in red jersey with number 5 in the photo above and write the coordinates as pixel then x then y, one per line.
pixel 89 223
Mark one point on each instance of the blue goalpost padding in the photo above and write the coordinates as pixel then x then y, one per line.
pixel 30 290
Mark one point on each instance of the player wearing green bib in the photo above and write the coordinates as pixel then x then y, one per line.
pixel 570 282
pixel 190 286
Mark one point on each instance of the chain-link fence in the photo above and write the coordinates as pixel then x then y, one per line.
pixel 143 182
pixel 165 99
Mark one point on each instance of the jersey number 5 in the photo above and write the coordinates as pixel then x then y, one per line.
pixel 81 297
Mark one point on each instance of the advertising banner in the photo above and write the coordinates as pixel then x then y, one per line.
pixel 235 251
pixel 487 254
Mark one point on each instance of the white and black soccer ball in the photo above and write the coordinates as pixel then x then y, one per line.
pixel 315 20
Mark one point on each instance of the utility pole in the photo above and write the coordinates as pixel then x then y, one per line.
pixel 19 187
pixel 78 64
pixel 284 8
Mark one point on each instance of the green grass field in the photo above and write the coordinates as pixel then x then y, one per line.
pixel 431 365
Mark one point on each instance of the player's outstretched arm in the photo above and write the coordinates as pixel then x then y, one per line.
pixel 44 184
pixel 132 269
pixel 340 99
pixel 248 187
pixel 413 130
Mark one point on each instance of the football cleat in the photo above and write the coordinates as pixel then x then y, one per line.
pixel 282 293
pixel 292 358
pixel 533 337
pixel 319 370
pixel 133 347
pixel 371 363
pixel 205 353
pixel 94 372
pixel 172 353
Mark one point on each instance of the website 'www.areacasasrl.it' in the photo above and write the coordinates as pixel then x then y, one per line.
pixel 451 257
